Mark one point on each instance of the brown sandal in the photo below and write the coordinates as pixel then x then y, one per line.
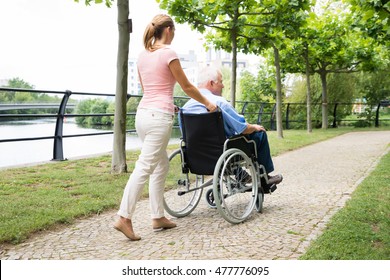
pixel 162 223
pixel 127 230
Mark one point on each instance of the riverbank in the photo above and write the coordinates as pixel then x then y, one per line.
pixel 26 153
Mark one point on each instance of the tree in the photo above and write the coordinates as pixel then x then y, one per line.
pixel 225 17
pixel 93 106
pixel 249 26
pixel 296 55
pixel 273 25
pixel 19 83
pixel 118 164
pixel 88 2
pixel 25 97
pixel 374 86
pixel 259 89
pixel 372 17
pixel 342 89
pixel 308 92
pixel 332 48
pixel 8 96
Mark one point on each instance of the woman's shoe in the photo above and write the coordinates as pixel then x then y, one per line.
pixel 162 223
pixel 127 229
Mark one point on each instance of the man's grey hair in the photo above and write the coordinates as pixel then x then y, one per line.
pixel 208 73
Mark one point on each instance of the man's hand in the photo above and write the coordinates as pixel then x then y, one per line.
pixel 259 127
pixel 250 128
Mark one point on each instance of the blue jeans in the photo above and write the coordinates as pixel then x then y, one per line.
pixel 263 150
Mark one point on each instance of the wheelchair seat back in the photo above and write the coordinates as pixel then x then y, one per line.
pixel 204 138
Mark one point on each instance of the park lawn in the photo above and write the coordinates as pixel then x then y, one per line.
pixel 40 197
pixel 361 230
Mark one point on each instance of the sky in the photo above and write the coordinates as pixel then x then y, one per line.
pixel 63 45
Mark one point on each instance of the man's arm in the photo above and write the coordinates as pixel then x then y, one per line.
pixel 237 121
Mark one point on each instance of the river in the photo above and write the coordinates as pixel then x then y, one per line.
pixel 40 151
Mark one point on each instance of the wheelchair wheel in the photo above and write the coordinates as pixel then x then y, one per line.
pixel 180 198
pixel 234 195
pixel 210 198
pixel 259 202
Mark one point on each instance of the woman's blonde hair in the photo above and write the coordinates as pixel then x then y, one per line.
pixel 154 30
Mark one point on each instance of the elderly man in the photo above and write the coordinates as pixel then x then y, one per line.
pixel 210 85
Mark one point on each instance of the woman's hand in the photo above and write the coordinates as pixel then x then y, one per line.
pixel 211 107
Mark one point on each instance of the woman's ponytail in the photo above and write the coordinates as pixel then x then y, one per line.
pixel 149 36
pixel 155 29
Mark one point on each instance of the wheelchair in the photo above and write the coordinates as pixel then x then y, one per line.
pixel 207 158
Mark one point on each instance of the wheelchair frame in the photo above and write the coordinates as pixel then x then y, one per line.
pixel 233 194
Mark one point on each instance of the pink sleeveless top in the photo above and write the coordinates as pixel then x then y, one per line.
pixel 157 79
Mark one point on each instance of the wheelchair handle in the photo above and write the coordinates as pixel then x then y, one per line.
pixel 178 109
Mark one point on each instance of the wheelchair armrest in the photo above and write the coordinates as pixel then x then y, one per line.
pixel 241 142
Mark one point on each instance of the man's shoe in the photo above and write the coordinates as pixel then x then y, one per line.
pixel 274 180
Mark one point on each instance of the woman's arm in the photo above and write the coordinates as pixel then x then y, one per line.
pixel 187 86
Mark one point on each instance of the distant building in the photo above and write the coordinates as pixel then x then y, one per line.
pixel 3 82
pixel 133 84
pixel 190 64
pixel 359 106
pixel 224 59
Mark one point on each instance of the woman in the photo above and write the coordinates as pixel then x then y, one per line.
pixel 159 69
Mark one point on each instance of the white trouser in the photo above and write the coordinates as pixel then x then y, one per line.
pixel 154 129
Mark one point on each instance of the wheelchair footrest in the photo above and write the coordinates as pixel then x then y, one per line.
pixel 270 189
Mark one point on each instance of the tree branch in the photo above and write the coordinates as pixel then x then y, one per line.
pixel 348 69
pixel 257 13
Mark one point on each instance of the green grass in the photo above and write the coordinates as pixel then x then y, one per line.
pixel 361 230
pixel 38 198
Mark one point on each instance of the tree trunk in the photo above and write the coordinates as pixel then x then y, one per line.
pixel 233 80
pixel 324 100
pixel 119 147
pixel 279 122
pixel 308 94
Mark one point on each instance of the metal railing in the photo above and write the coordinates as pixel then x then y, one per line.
pixel 24 106
pixel 264 113
pixel 61 114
